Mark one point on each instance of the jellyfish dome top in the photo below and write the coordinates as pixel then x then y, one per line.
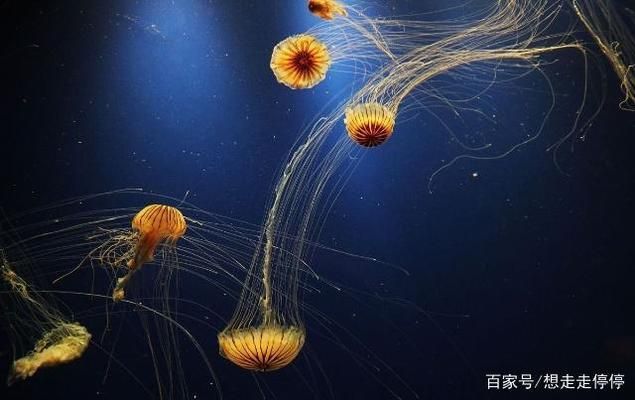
pixel 300 61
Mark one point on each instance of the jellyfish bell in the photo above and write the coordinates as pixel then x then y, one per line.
pixel 369 124
pixel 326 9
pixel 300 61
pixel 268 347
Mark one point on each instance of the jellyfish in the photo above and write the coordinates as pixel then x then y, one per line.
pixel 265 332
pixel 60 342
pixel 369 124
pixel 326 9
pixel 300 62
pixel 151 226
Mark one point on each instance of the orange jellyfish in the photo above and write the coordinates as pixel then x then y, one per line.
pixel 265 348
pixel 152 225
pixel 326 9
pixel 300 62
pixel 369 124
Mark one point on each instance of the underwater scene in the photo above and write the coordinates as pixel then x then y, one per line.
pixel 317 199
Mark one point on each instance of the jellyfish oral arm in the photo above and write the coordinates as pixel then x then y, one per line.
pixel 118 292
pixel 144 251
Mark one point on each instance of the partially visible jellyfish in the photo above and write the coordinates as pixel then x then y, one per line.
pixel 300 62
pixel 327 9
pixel 369 124
pixel 151 226
pixel 60 341
pixel 614 35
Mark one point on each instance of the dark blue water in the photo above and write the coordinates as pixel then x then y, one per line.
pixel 515 265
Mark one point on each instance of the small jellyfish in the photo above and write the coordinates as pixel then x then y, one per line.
pixel 152 225
pixel 300 61
pixel 265 348
pixel 60 341
pixel 369 124
pixel 326 9
pixel 64 343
